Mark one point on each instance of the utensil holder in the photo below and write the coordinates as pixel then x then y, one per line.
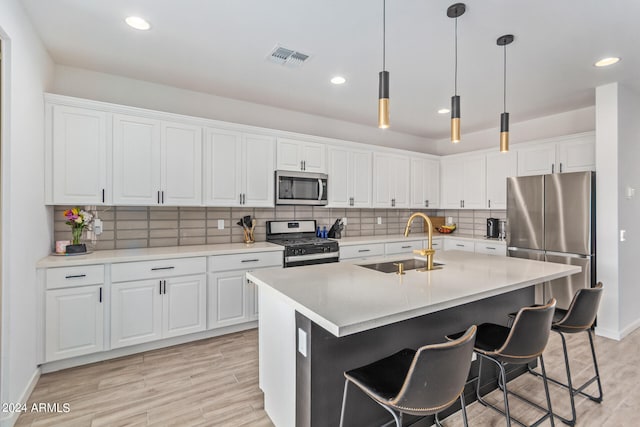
pixel 248 237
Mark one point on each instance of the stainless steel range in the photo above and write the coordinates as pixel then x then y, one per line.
pixel 301 246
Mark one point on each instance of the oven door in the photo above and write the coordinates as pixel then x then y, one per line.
pixel 301 188
pixel 311 259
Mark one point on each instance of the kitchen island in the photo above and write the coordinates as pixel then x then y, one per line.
pixel 318 321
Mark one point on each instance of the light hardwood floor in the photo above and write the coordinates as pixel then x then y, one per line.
pixel 214 382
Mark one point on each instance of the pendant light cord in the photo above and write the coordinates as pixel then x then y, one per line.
pixel 455 78
pixel 504 88
pixel 384 35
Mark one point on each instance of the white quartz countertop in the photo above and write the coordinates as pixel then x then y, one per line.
pixel 345 298
pixel 148 254
pixel 363 240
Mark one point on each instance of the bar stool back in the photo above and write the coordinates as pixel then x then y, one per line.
pixel 422 382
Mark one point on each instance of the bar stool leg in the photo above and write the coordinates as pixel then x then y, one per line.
pixel 546 390
pixel 595 366
pixel 344 401
pixel 463 409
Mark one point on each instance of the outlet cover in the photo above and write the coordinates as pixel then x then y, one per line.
pixel 221 224
pixel 379 220
pixel 344 220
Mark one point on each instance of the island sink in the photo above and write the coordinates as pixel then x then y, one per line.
pixel 392 266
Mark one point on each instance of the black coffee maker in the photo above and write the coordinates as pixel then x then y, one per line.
pixel 493 229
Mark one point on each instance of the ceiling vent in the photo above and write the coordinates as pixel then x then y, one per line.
pixel 288 57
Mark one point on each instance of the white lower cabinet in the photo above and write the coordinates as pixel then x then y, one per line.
pixel 491 248
pixel 364 251
pixel 459 245
pixel 402 247
pixel 74 322
pixel 167 300
pixel 231 298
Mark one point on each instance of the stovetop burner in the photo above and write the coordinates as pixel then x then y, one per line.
pixel 301 246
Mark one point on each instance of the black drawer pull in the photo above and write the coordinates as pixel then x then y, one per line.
pixel 75 276
pixel 406 247
pixel 250 260
pixel 364 250
pixel 489 247
pixel 162 268
pixel 100 300
pixel 459 245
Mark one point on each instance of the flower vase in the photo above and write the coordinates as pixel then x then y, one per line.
pixel 76 247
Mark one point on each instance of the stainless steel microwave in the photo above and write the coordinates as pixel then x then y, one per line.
pixel 301 188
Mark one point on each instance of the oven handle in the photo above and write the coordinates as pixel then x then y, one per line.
pixel 320 189
pixel 295 258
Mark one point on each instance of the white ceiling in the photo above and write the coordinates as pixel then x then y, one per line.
pixel 219 47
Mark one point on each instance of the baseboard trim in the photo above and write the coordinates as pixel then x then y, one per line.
pixel 608 333
pixel 154 345
pixel 630 328
pixel 10 419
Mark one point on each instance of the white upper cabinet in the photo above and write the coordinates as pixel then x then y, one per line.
pixel 573 153
pixel 350 178
pixel 391 180
pixel 79 172
pixel 425 183
pixel 463 182
pixel 295 155
pixel 500 166
pixel 238 169
pixel 156 163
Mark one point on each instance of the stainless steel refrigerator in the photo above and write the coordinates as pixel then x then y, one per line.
pixel 552 218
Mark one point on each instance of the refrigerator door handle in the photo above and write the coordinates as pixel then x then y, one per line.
pixel 567 255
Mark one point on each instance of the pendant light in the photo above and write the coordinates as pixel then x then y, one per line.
pixel 504 117
pixel 455 11
pixel 383 78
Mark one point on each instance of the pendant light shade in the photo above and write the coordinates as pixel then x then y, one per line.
pixel 383 77
pixel 455 11
pixel 504 117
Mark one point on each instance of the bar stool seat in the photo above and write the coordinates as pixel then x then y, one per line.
pixel 417 382
pixel 523 343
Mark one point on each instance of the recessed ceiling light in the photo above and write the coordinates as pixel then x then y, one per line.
pixel 338 80
pixel 443 111
pixel 137 23
pixel 605 62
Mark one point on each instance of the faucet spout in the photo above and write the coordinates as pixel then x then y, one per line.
pixel 429 252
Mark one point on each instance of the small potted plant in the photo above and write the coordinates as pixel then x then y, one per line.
pixel 78 219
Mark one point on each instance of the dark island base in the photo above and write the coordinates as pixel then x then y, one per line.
pixel 320 380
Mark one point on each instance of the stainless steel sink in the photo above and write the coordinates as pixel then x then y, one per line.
pixel 392 267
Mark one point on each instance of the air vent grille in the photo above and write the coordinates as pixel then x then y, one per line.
pixel 282 55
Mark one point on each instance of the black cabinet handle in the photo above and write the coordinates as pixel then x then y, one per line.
pixel 160 287
pixel 164 282
pixel 560 167
pixel 459 245
pixel 103 195
pixel 406 247
pixel 490 248
pixel 162 268
pixel 553 167
pixel 75 276
pixel 250 260
pixel 364 250
pixel 100 296
pixel 489 203
pixel 158 196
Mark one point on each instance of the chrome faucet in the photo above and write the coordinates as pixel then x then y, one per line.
pixel 429 252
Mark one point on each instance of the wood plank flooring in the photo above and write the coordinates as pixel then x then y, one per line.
pixel 214 382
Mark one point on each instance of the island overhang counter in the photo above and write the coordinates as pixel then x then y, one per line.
pixel 317 321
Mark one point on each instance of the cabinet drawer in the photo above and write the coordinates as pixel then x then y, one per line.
pixel 127 271
pixel 402 247
pixel 361 251
pixel 458 245
pixel 67 277
pixel 245 261
pixel 435 242
pixel 491 248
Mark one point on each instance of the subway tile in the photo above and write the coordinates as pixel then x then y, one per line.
pixel 131 215
pixel 265 213
pixel 241 212
pixel 131 244
pixel 351 233
pixel 192 223
pixel 193 240
pixel 155 234
pixel 107 235
pixel 366 213
pixel 132 234
pixel 192 232
pixel 163 214
pixel 106 215
pixel 201 213
pixel 216 240
pixel 163 242
pixel 105 245
pixel 163 224
pixel 218 213
pixel 216 232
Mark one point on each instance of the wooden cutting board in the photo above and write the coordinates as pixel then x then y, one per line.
pixel 437 221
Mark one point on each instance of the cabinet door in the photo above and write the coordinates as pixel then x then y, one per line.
pixel 79 155
pixel 289 155
pixel 577 154
pixel 458 245
pixel 181 165
pixel 381 181
pixel 226 297
pixel 314 156
pixel 223 168
pixel 340 186
pixel 360 178
pixel 451 194
pixel 136 312
pixel 401 178
pixel 184 305
pixel 74 322
pixel 537 160
pixel 258 166
pixel 253 301
pixel 418 180
pixel 474 188
pixel 500 166
pixel 136 160
pixel 432 184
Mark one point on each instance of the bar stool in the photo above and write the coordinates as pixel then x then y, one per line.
pixel 422 382
pixel 524 342
pixel 579 317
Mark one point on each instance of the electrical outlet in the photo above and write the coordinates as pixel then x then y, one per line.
pixel 344 220
pixel 221 224
pixel 97 226
pixel 379 220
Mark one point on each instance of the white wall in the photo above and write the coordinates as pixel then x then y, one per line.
pixel 607 208
pixel 567 123
pixel 27 223
pixel 83 83
pixel 629 209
